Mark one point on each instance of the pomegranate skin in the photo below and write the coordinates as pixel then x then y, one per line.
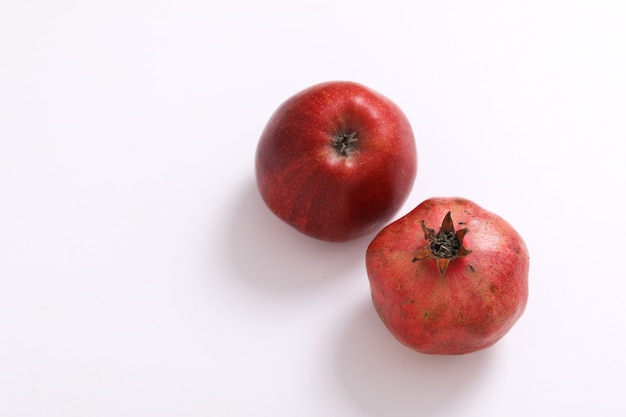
pixel 473 304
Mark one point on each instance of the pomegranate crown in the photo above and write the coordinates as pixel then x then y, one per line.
pixel 443 246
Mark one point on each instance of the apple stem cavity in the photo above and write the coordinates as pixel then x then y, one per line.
pixel 344 143
pixel 443 246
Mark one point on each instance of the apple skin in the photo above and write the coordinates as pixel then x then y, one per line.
pixel 469 307
pixel 315 177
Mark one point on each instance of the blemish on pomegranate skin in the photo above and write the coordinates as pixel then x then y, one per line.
pixel 380 313
pixel 471 268
pixel 493 289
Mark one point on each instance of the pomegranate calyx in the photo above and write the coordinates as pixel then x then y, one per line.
pixel 443 246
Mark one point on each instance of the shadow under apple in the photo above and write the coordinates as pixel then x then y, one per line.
pixel 382 377
pixel 270 254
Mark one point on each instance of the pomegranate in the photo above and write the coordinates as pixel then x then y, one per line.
pixel 452 291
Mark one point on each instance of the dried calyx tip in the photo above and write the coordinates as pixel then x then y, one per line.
pixel 344 143
pixel 443 246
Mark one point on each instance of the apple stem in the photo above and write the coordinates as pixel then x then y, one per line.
pixel 344 143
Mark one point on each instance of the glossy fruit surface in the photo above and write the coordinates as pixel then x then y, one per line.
pixel 452 289
pixel 336 161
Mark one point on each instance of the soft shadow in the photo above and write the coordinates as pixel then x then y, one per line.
pixel 383 377
pixel 272 255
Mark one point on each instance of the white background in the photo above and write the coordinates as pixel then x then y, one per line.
pixel 141 274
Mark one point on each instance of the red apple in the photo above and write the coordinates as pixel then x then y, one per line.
pixel 336 161
pixel 456 290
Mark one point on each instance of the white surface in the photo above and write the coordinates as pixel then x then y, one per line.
pixel 141 274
